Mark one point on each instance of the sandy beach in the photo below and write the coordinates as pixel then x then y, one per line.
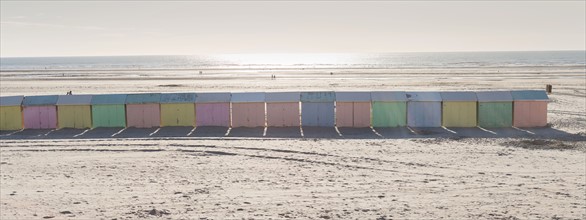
pixel 309 173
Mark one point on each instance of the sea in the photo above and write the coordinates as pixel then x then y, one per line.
pixel 302 61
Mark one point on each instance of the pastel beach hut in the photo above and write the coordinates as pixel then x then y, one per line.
pixel 11 112
pixel 529 108
pixel 143 111
pixel 424 109
pixel 74 111
pixel 178 109
pixel 212 109
pixel 459 109
pixel 283 109
pixel 389 109
pixel 317 109
pixel 248 109
pixel 40 112
pixel 495 109
pixel 353 109
pixel 109 110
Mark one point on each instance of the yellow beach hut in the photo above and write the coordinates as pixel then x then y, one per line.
pixel 74 111
pixel 11 112
pixel 459 109
pixel 178 109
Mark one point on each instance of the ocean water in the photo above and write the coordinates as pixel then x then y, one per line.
pixel 302 61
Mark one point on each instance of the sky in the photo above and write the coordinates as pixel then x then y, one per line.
pixel 106 28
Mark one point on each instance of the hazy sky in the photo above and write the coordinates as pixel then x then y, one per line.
pixel 69 28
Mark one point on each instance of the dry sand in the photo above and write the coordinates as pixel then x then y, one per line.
pixel 326 174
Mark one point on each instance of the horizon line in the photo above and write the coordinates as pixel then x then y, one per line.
pixel 216 54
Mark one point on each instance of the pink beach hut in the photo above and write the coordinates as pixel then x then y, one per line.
pixel 248 109
pixel 529 108
pixel 212 109
pixel 283 109
pixel 40 112
pixel 143 111
pixel 353 109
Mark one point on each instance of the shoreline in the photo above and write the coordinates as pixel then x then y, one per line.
pixel 294 68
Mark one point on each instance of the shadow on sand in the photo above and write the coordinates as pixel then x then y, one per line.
pixel 320 132
pixel 283 132
pixel 358 133
pixel 256 132
pixel 173 132
pixel 102 133
pixel 292 132
pixel 211 131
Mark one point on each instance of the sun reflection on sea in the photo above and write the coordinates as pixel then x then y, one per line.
pixel 287 59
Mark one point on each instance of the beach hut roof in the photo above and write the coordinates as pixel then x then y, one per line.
pixel 530 95
pixel 459 96
pixel 388 96
pixel 213 97
pixel 143 98
pixel 110 99
pixel 318 96
pixel 178 97
pixel 248 97
pixel 494 96
pixel 40 100
pixel 424 96
pixel 353 96
pixel 282 96
pixel 74 100
pixel 11 100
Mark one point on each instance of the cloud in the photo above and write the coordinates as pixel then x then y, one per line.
pixel 113 35
pixel 47 25
pixel 116 32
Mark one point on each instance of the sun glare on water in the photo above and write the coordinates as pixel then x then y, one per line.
pixel 285 59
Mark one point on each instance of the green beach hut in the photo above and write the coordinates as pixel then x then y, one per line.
pixel 495 109
pixel 109 110
pixel 389 109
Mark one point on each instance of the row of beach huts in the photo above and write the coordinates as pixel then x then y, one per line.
pixel 526 108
